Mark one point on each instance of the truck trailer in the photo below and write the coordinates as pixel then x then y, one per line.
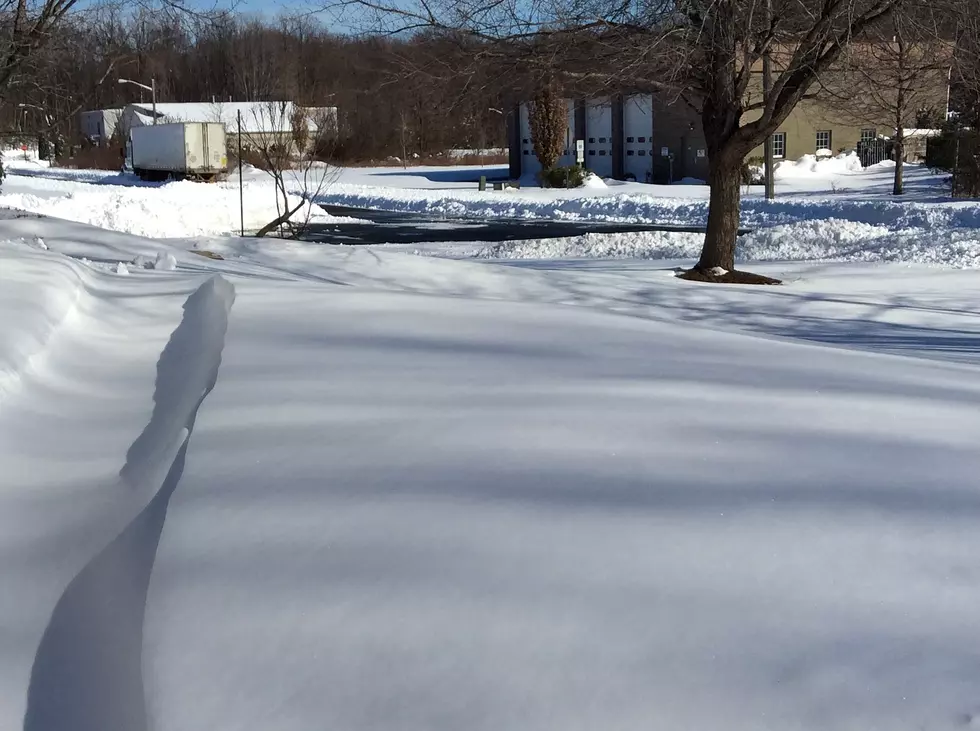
pixel 179 150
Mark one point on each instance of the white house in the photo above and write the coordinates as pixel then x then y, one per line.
pixel 99 124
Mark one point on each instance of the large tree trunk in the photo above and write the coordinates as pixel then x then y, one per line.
pixel 899 150
pixel 723 213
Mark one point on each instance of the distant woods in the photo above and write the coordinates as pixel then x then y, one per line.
pixel 393 94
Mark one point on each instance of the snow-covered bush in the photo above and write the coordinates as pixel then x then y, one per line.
pixel 570 176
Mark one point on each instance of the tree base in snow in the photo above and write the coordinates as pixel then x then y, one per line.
pixel 721 276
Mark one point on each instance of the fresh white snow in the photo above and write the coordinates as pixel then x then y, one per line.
pixel 532 486
pixel 821 165
pixel 434 494
pixel 816 240
pixel 124 203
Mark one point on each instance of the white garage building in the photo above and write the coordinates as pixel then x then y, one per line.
pixel 626 137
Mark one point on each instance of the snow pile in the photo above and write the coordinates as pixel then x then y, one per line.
pixel 164 261
pixel 591 180
pixel 818 166
pixel 635 245
pixel 678 205
pixel 817 240
pixel 472 152
pixel 833 240
pixel 173 210
pixel 16 159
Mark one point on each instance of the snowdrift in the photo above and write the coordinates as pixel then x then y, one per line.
pixel 419 495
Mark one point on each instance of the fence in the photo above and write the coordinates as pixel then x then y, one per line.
pixel 957 153
pixel 874 151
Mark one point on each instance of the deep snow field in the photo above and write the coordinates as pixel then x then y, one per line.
pixel 538 486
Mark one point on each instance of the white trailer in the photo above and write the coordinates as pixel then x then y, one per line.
pixel 179 150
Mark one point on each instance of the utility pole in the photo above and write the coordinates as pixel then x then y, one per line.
pixel 766 92
pixel 241 183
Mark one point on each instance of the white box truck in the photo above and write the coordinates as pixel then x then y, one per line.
pixel 179 150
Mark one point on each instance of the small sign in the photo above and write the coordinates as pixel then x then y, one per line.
pixel 24 148
pixel 702 153
pixel 664 152
pixel 580 151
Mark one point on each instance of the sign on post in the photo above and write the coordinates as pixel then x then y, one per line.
pixel 580 151
pixel 664 152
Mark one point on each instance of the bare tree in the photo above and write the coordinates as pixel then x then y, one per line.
pixel 548 120
pixel 705 54
pixel 25 28
pixel 300 171
pixel 965 75
pixel 899 75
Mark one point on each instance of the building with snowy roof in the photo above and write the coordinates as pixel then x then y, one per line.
pixel 260 121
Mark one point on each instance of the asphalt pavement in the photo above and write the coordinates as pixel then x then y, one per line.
pixel 391 227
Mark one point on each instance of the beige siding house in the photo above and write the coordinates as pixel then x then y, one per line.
pixel 642 137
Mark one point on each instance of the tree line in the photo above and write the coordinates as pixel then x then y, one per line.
pixel 387 105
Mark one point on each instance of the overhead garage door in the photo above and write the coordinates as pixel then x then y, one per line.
pixel 598 138
pixel 638 137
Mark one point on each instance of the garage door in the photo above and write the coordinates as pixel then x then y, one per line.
pixel 598 138
pixel 637 134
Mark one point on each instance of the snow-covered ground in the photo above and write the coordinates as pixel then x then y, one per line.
pixel 825 209
pixel 521 486
pixel 316 487
pixel 124 203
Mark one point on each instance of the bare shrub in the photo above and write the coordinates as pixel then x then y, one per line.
pixel 548 120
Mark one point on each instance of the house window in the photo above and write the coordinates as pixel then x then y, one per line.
pixel 601 153
pixel 823 139
pixel 779 144
pixel 629 139
pixel 602 140
pixel 641 139
pixel 591 152
pixel 592 140
pixel 869 135
pixel 526 140
pixel 642 153
pixel 629 153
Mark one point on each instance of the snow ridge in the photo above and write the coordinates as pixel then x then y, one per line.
pixel 638 208
pixel 87 673
pixel 52 305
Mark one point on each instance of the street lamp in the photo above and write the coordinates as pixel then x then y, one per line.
pixel 152 88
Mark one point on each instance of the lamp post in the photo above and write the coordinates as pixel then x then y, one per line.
pixel 152 88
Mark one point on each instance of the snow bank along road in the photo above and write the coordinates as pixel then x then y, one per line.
pixel 427 494
pixel 825 210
